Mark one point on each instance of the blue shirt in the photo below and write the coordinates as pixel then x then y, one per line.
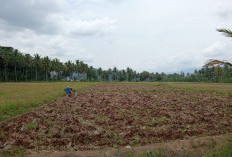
pixel 67 90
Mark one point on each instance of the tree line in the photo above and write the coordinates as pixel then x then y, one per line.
pixel 16 66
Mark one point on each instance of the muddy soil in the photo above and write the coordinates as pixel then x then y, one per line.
pixel 118 115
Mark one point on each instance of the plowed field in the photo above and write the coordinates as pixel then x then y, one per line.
pixel 112 115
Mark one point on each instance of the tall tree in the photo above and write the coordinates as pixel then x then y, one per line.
pixel 56 66
pixel 6 53
pixel 46 62
pixel 37 65
pixel 15 60
pixel 28 62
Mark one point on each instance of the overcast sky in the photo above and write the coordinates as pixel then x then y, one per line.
pixel 152 35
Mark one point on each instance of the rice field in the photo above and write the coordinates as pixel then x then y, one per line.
pixel 17 98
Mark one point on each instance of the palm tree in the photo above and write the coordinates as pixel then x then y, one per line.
pixel 37 65
pixel 69 68
pixel 115 74
pixel 212 62
pixel 100 73
pixel 6 53
pixel 15 60
pixel 77 65
pixel 56 66
pixel 28 63
pixel 46 62
pixel 226 32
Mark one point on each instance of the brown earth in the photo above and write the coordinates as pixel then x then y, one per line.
pixel 193 147
pixel 117 115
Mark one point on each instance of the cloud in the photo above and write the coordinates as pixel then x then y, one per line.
pixel 50 17
pixel 176 63
pixel 218 50
pixel 93 27
pixel 28 41
pixel 161 36
pixel 31 14
pixel 223 9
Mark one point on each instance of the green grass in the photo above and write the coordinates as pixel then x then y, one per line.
pixel 18 98
pixel 224 151
pixel 159 153
pixel 217 88
pixel 31 126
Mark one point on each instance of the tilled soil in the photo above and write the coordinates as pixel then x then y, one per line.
pixel 112 115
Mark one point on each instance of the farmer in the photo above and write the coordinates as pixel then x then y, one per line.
pixel 68 91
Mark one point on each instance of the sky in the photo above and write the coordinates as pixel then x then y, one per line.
pixel 145 35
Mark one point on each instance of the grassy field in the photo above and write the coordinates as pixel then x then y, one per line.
pixel 18 98
pixel 218 88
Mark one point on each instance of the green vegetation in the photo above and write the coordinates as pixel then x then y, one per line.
pixel 159 153
pixel 18 98
pixel 224 151
pixel 16 66
pixel 217 88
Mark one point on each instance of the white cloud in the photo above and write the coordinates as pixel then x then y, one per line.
pixel 160 35
pixel 219 50
pixel 93 27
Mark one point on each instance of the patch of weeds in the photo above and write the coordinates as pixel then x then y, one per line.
pixel 4 154
pixel 154 121
pixel 155 105
pixel 31 126
pixel 87 141
pixel 163 119
pixel 100 118
pixel 63 129
pixel 115 146
pixel 181 130
pixel 137 118
pixel 224 151
pixel 116 136
pixel 105 155
pixel 212 144
pixel 131 154
pixel 192 144
pixel 148 111
pixel 136 138
pixel 38 143
pixel 157 121
pixel 2 135
pixel 142 127
pixel 159 153
pixel 202 124
pixel 75 116
pixel 21 152
pixel 158 139
pixel 225 110
pixel 161 84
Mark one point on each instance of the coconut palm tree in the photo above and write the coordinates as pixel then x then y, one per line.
pixel 15 60
pixel 212 62
pixel 69 68
pixel 28 62
pixel 46 62
pixel 6 54
pixel 56 66
pixel 226 32
pixel 37 65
